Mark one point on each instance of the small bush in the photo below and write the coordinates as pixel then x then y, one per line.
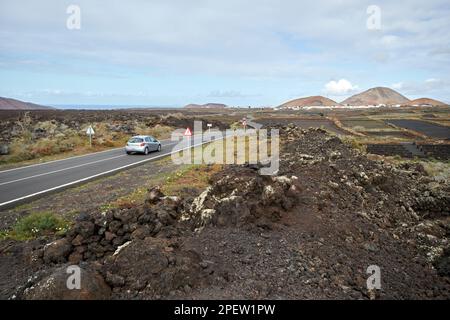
pixel 36 225
pixel 354 143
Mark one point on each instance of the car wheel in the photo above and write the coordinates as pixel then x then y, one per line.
pixel 146 151
pixel 128 152
pixel 159 147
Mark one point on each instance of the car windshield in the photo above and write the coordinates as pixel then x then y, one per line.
pixel 136 140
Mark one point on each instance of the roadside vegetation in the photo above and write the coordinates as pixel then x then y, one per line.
pixel 191 179
pixel 440 170
pixel 37 225
pixel 354 143
pixel 49 140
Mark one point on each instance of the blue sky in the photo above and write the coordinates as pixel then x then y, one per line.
pixel 259 53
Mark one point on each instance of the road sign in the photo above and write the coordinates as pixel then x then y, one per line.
pixel 188 132
pixel 90 131
pixel 209 125
pixel 244 123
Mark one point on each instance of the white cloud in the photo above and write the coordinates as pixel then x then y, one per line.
pixel 340 87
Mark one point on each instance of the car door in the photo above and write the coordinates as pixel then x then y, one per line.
pixel 149 144
pixel 153 144
pixel 157 143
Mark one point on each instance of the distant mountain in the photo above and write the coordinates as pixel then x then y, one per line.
pixel 206 106
pixel 425 102
pixel 309 101
pixel 12 104
pixel 376 96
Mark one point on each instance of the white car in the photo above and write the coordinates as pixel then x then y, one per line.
pixel 142 144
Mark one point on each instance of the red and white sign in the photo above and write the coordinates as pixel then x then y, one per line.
pixel 188 132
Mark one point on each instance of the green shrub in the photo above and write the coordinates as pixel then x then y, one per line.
pixel 36 225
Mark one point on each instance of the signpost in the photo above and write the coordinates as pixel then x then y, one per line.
pixel 90 132
pixel 209 125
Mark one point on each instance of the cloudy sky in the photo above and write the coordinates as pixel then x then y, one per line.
pixel 261 52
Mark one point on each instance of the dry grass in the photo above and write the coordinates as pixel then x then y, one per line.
pixel 192 178
pixel 440 170
pixel 69 142
pixel 232 150
pixel 354 143
pixel 186 180
pixel 158 131
pixel 131 200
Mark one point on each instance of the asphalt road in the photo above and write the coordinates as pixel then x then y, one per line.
pixel 24 183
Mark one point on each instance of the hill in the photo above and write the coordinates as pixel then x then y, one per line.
pixel 309 101
pixel 425 101
pixel 206 106
pixel 376 96
pixel 13 104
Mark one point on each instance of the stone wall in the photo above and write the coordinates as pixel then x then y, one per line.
pixel 389 150
pixel 437 151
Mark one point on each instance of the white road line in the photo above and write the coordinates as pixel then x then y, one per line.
pixel 98 175
pixel 64 169
pixel 74 157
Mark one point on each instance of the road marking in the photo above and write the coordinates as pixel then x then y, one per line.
pixel 98 175
pixel 64 169
pixel 74 157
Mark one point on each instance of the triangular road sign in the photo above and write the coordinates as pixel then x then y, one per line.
pixel 188 132
pixel 90 131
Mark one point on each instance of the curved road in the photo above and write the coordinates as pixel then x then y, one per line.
pixel 24 183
